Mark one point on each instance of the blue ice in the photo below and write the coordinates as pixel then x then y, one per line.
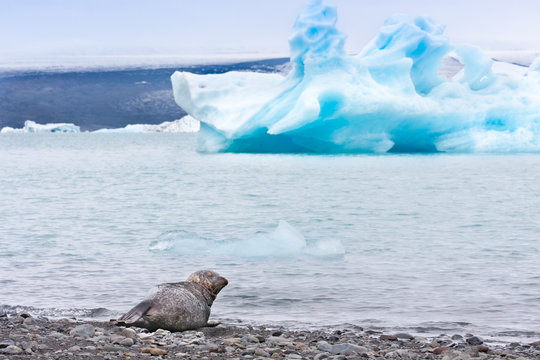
pixel 391 97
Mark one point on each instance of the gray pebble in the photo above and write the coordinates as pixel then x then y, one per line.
pixel 344 348
pixel 115 339
pixel 32 345
pixel 115 329
pixel 85 331
pixel 24 314
pixel 474 341
pixel 30 321
pixel 6 343
pixel 112 348
pixel 320 356
pixel 404 336
pixel 348 349
pixel 324 346
pixel 161 332
pixel 129 333
pixel 249 339
pixel 127 342
pixel 294 357
pixel 11 350
pixel 261 352
pixel 278 340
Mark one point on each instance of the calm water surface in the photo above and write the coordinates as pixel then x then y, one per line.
pixel 426 243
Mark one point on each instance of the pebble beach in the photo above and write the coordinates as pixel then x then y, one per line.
pixel 23 336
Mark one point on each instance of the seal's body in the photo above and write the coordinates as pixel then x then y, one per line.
pixel 178 306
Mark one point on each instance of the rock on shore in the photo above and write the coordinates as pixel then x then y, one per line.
pixel 25 337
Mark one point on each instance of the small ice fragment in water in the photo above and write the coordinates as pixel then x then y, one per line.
pixel 284 241
pixel 33 127
pixel 187 124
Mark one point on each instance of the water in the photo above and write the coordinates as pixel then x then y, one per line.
pixel 426 243
pixel 133 95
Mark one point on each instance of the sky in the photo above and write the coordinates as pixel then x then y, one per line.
pixel 55 28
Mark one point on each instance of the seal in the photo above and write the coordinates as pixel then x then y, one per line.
pixel 177 306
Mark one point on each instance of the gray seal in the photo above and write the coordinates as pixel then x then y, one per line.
pixel 177 306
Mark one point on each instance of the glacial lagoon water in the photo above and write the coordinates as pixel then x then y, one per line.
pixel 440 243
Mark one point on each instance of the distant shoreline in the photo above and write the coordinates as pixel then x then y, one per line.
pixel 116 63
pixel 62 64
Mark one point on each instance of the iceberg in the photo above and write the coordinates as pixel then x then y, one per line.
pixel 187 124
pixel 33 127
pixel 393 96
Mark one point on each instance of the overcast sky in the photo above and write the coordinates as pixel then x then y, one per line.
pixel 42 28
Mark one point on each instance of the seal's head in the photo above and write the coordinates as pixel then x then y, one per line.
pixel 210 280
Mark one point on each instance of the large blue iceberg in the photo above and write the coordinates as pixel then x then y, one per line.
pixel 394 96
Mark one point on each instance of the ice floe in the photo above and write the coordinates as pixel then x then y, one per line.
pixel 33 127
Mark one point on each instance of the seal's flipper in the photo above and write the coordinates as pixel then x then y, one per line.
pixel 136 314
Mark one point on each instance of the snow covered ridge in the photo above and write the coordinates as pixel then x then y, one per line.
pixel 33 127
pixel 393 96
pixel 184 125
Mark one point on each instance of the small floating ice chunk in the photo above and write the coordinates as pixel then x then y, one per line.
pixel 33 127
pixel 187 124
pixel 7 129
pixel 180 241
pixel 284 241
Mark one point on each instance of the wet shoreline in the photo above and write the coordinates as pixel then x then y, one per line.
pixel 23 336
